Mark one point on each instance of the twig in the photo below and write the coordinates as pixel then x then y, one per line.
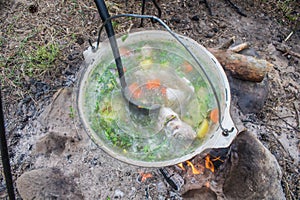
pixel 147 191
pixel 208 7
pixel 288 161
pixel 288 37
pixel 227 44
pixel 55 96
pixel 287 51
pixel 238 10
pixel 34 101
pixel 87 7
pixel 286 151
pixel 265 124
pixel 130 27
pixel 290 195
pixel 295 128
pixel 276 118
pixel 297 114
pixel 240 47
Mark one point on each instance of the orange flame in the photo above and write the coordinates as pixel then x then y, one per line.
pixel 218 158
pixel 207 184
pixel 181 166
pixel 208 163
pixel 145 176
pixel 194 170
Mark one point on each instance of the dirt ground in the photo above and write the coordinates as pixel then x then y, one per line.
pixel 28 25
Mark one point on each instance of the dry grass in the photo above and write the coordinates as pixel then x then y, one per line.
pixel 287 12
pixel 37 37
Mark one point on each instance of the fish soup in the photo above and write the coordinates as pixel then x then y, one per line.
pixel 155 74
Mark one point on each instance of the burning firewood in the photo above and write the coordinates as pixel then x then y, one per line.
pixel 248 171
pixel 173 178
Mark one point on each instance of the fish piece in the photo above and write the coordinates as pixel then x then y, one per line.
pixel 174 94
pixel 177 92
pixel 174 127
pixel 187 67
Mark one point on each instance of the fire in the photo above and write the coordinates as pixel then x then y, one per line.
pixel 207 184
pixel 218 158
pixel 145 176
pixel 209 164
pixel 180 165
pixel 194 169
pixel 199 167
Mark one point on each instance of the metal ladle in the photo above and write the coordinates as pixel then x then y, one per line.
pixel 105 17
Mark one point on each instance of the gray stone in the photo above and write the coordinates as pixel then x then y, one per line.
pixel 51 143
pixel 200 194
pixel 253 172
pixel 47 183
pixel 251 96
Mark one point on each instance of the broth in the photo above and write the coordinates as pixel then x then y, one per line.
pixel 154 76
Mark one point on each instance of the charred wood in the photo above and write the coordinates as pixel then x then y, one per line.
pixel 172 177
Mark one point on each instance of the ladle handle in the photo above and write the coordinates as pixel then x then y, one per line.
pixel 105 17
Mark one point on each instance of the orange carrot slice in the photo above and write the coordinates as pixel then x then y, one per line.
pixel 214 115
pixel 187 67
pixel 137 94
pixel 163 91
pixel 132 87
pixel 153 84
pixel 135 90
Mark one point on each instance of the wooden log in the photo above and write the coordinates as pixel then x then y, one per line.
pixel 241 66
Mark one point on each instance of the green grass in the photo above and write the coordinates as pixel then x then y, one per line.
pixel 41 59
pixel 286 11
pixel 287 7
pixel 71 112
pixel 30 59
pixel 35 47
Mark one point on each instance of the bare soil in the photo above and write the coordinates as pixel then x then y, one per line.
pixel 27 25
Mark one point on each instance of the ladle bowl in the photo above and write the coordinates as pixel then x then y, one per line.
pixel 159 71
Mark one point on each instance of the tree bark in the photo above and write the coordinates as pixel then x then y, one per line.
pixel 241 66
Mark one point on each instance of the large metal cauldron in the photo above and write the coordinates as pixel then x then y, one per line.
pixel 143 140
